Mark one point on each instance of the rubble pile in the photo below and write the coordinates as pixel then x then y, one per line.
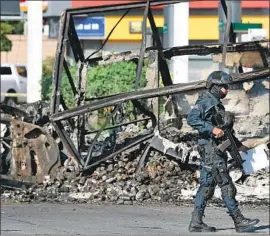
pixel 254 188
pixel 161 180
pixel 260 127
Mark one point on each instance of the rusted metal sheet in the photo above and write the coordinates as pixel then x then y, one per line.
pixel 34 152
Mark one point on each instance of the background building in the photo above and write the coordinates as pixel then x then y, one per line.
pixel 204 21
pixel 9 8
pixel 203 28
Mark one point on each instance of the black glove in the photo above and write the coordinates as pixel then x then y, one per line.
pixel 243 148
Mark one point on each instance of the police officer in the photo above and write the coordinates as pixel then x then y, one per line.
pixel 214 165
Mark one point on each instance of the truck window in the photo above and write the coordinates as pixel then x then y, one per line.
pixel 22 71
pixel 5 70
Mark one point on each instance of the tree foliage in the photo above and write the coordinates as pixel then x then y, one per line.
pixel 6 44
pixel 102 80
pixel 18 26
pixel 112 79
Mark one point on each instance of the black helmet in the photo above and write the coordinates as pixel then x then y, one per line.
pixel 218 78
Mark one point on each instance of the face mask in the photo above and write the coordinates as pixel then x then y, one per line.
pixel 216 90
pixel 222 95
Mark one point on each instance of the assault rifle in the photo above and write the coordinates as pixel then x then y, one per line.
pixel 229 143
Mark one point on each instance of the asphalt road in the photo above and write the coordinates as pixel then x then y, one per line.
pixel 57 219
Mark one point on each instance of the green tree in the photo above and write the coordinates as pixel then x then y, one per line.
pixel 6 44
pixel 18 27
pixel 102 80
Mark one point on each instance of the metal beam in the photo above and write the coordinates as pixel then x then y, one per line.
pixel 69 145
pixel 125 147
pixel 168 53
pixel 75 43
pixel 163 65
pixel 167 90
pixel 59 61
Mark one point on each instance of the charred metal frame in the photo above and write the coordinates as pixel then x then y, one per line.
pixel 68 33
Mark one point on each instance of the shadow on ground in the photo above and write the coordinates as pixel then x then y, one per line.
pixel 223 229
pixel 250 230
pixel 258 228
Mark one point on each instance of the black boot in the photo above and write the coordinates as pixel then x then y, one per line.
pixel 241 223
pixel 197 225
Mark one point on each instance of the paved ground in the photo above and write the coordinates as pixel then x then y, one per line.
pixel 17 219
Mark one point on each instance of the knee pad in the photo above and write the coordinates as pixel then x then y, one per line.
pixel 221 174
pixel 229 190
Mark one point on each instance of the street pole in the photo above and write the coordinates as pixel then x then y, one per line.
pixel 34 50
pixel 237 15
pixel 236 18
pixel 177 20
pixel 222 22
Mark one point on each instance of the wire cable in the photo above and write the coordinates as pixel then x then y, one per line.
pixel 109 35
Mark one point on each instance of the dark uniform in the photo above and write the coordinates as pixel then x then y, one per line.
pixel 214 166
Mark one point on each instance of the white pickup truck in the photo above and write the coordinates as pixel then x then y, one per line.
pixel 13 83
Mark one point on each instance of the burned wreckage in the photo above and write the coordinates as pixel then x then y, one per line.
pixel 37 139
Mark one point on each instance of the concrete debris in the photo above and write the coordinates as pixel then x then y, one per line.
pixel 85 196
pixel 248 85
pixel 266 84
pixel 246 59
pixel 162 179
pixel 260 127
pixel 255 187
